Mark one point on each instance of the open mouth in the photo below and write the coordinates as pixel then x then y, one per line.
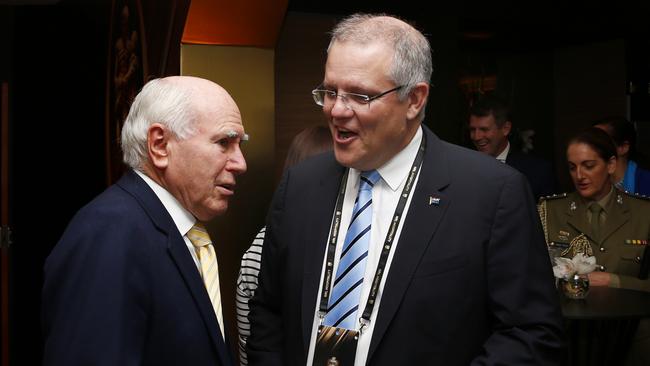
pixel 229 188
pixel 344 135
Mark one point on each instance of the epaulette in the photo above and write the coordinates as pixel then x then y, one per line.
pixel 553 197
pixel 636 195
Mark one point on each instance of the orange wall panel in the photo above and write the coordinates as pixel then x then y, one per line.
pixel 239 23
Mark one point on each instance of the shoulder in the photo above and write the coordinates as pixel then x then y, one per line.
pixel 557 201
pixel 554 197
pixel 635 198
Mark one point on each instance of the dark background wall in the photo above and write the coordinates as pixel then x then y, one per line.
pixel 57 133
pixel 559 67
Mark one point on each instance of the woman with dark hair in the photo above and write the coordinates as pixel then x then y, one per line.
pixel 628 175
pixel 598 219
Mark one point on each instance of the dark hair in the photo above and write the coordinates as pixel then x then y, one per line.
pixel 491 105
pixel 621 131
pixel 310 141
pixel 598 140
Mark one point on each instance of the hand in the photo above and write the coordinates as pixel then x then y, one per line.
pixel 599 279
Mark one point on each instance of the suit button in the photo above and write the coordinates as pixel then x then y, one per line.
pixel 637 259
pixel 602 250
pixel 602 268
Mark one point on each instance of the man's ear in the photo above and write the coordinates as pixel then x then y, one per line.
pixel 157 145
pixel 507 128
pixel 417 99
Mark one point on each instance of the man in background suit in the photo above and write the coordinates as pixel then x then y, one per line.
pixel 489 128
pixel 125 284
pixel 459 276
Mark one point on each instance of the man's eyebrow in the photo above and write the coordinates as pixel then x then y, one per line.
pixel 231 134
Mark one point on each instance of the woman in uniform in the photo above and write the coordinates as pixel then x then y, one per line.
pixel 598 219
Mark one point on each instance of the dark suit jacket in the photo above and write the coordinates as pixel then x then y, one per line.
pixel 539 172
pixel 121 288
pixel 470 281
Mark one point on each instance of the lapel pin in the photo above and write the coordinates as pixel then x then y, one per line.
pixel 434 200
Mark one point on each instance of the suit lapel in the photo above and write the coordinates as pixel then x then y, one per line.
pixel 427 208
pixel 322 212
pixel 179 253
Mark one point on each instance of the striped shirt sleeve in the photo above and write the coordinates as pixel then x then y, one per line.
pixel 246 286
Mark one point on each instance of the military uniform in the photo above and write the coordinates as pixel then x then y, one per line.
pixel 623 235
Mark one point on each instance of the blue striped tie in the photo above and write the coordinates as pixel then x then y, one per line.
pixel 344 300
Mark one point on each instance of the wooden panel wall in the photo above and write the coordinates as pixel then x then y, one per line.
pixel 589 85
pixel 299 66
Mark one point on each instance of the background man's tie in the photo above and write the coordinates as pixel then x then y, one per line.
pixel 595 209
pixel 344 300
pixel 200 238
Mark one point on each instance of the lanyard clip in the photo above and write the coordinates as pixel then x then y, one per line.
pixel 364 323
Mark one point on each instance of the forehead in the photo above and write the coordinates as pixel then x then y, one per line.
pixel 578 152
pixel 484 121
pixel 219 109
pixel 358 64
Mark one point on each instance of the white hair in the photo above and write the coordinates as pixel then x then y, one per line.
pixel 160 101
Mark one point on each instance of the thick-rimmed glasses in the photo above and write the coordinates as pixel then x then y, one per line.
pixel 327 98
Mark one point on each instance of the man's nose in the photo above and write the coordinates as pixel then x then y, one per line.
pixel 236 162
pixel 340 106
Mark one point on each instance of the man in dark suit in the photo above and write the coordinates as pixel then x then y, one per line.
pixel 456 269
pixel 489 127
pixel 125 284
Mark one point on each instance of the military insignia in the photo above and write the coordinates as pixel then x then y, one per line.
pixel 573 206
pixel 579 244
pixel 552 197
pixel 564 235
pixel 636 241
pixel 619 199
pixel 637 195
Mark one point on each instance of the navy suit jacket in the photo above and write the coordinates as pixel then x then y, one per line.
pixel 470 281
pixel 121 288
pixel 539 172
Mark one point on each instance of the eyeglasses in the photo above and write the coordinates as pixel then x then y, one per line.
pixel 327 98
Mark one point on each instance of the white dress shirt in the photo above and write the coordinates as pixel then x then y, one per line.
pixel 183 219
pixel 385 195
pixel 504 154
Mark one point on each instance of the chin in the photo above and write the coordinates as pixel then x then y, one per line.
pixel 211 212
pixel 345 159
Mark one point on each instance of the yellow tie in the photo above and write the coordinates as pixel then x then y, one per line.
pixel 200 238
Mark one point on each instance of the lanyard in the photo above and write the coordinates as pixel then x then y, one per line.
pixel 388 242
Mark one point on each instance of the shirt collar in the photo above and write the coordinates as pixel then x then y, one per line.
pixel 183 219
pixel 504 154
pixel 606 201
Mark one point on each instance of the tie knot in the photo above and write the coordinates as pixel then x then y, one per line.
pixel 368 179
pixel 198 235
pixel 595 208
